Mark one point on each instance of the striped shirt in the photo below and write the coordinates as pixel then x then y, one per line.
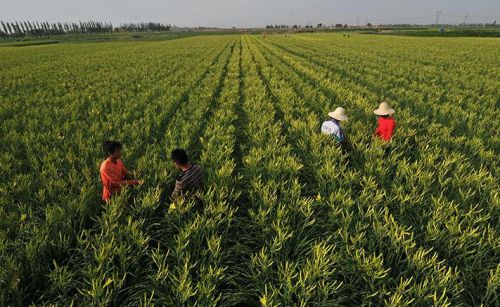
pixel 187 181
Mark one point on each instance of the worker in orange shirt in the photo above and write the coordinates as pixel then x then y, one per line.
pixel 386 122
pixel 114 174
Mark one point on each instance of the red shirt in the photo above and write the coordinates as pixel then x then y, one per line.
pixel 385 128
pixel 113 177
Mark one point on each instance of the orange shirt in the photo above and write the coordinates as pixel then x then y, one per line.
pixel 113 177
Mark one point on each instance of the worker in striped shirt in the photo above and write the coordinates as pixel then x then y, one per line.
pixel 191 178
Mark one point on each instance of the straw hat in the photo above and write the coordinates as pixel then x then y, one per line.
pixel 384 109
pixel 338 114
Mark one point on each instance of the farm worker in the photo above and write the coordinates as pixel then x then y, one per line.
pixel 386 122
pixel 191 177
pixel 114 174
pixel 332 126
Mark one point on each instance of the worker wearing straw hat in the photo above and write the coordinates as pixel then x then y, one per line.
pixel 332 126
pixel 386 122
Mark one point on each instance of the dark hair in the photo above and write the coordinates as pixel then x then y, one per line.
pixel 110 147
pixel 179 155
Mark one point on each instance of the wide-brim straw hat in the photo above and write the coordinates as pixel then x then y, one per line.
pixel 384 109
pixel 338 114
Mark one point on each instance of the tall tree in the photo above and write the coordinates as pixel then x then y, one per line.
pixel 21 27
pixel 5 29
pixel 11 31
pixel 17 28
pixel 31 26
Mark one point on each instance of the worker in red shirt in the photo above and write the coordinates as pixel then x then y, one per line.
pixel 114 174
pixel 386 122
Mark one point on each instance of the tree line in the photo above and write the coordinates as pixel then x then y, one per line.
pixel 318 26
pixel 370 25
pixel 36 28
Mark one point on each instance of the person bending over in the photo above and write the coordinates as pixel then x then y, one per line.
pixel 191 177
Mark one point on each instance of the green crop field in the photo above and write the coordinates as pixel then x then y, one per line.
pixel 287 218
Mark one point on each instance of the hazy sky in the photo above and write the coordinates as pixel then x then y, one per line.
pixel 251 13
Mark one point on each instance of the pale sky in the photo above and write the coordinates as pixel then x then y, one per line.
pixel 252 13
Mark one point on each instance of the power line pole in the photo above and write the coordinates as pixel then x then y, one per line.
pixel 465 18
pixel 438 15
